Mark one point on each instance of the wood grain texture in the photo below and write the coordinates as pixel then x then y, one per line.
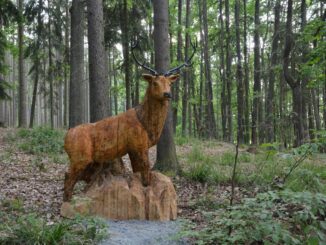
pixel 94 145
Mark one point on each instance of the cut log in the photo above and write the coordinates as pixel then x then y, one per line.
pixel 125 198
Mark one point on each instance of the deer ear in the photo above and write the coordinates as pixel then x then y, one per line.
pixel 173 78
pixel 147 77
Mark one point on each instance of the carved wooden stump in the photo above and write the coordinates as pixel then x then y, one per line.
pixel 124 198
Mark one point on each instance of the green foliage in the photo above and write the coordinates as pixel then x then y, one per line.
pixel 284 217
pixel 30 229
pixel 40 140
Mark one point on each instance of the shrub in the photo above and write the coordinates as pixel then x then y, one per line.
pixel 284 217
pixel 40 140
pixel 30 229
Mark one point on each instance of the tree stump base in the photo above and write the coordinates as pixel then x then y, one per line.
pixel 125 198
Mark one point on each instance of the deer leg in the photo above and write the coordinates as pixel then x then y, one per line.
pixel 71 179
pixel 140 163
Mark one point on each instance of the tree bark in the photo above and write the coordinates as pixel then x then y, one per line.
pixel 240 87
pixel 166 152
pixel 66 61
pixel 125 45
pixel 228 73
pixel 22 116
pixel 210 116
pixel 176 86
pixel 246 74
pixel 77 76
pixel 295 85
pixel 257 85
pixel 97 66
pixel 270 108
pixel 222 72
pixel 51 70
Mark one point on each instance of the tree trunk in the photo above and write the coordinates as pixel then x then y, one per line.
pixel 246 74
pixel 257 85
pixel 186 75
pixel 222 72
pixel 166 153
pixel 210 116
pixel 270 107
pixel 125 45
pixel 295 85
pixel 66 61
pixel 97 68
pixel 176 86
pixel 51 71
pixel 23 92
pixel 77 76
pixel 240 87
pixel 228 73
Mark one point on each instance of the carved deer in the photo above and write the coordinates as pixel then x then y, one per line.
pixel 132 132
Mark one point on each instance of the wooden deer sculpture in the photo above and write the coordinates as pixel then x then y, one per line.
pixel 132 132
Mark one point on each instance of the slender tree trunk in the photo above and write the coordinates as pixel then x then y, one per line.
pixel 210 118
pixel 166 152
pixel 176 86
pixel 257 85
pixel 51 71
pixel 240 87
pixel 222 72
pixel 186 75
pixel 228 73
pixel 77 104
pixel 270 108
pixel 97 67
pixel 22 116
pixel 125 45
pixel 66 61
pixel 295 85
pixel 246 74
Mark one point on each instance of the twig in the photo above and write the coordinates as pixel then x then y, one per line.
pixel 297 163
pixel 234 173
pixel 233 178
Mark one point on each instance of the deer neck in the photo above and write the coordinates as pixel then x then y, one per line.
pixel 152 114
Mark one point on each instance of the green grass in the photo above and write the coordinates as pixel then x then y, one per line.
pixel 205 165
pixel 31 229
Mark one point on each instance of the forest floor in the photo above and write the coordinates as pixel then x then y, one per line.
pixel 36 181
pixel 32 181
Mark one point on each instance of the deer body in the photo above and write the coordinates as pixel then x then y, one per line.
pixel 132 132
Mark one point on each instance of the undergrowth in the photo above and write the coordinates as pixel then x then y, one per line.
pixel 40 140
pixel 30 229
pixel 274 217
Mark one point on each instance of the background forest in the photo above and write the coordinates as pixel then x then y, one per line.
pixel 257 81
pixel 258 73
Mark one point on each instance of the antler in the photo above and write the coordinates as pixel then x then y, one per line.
pixel 155 73
pixel 186 64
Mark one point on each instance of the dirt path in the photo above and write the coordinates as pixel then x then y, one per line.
pixel 143 233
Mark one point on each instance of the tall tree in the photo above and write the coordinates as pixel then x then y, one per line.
pixel 240 86
pixel 98 80
pixel 125 45
pixel 77 77
pixel 295 84
pixel 228 72
pixel 257 86
pixel 210 116
pixel 166 152
pixel 22 116
pixel 222 71
pixel 246 74
pixel 270 108
pixel 185 86
pixel 176 86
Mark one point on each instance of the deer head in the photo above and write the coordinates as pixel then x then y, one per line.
pixel 159 87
